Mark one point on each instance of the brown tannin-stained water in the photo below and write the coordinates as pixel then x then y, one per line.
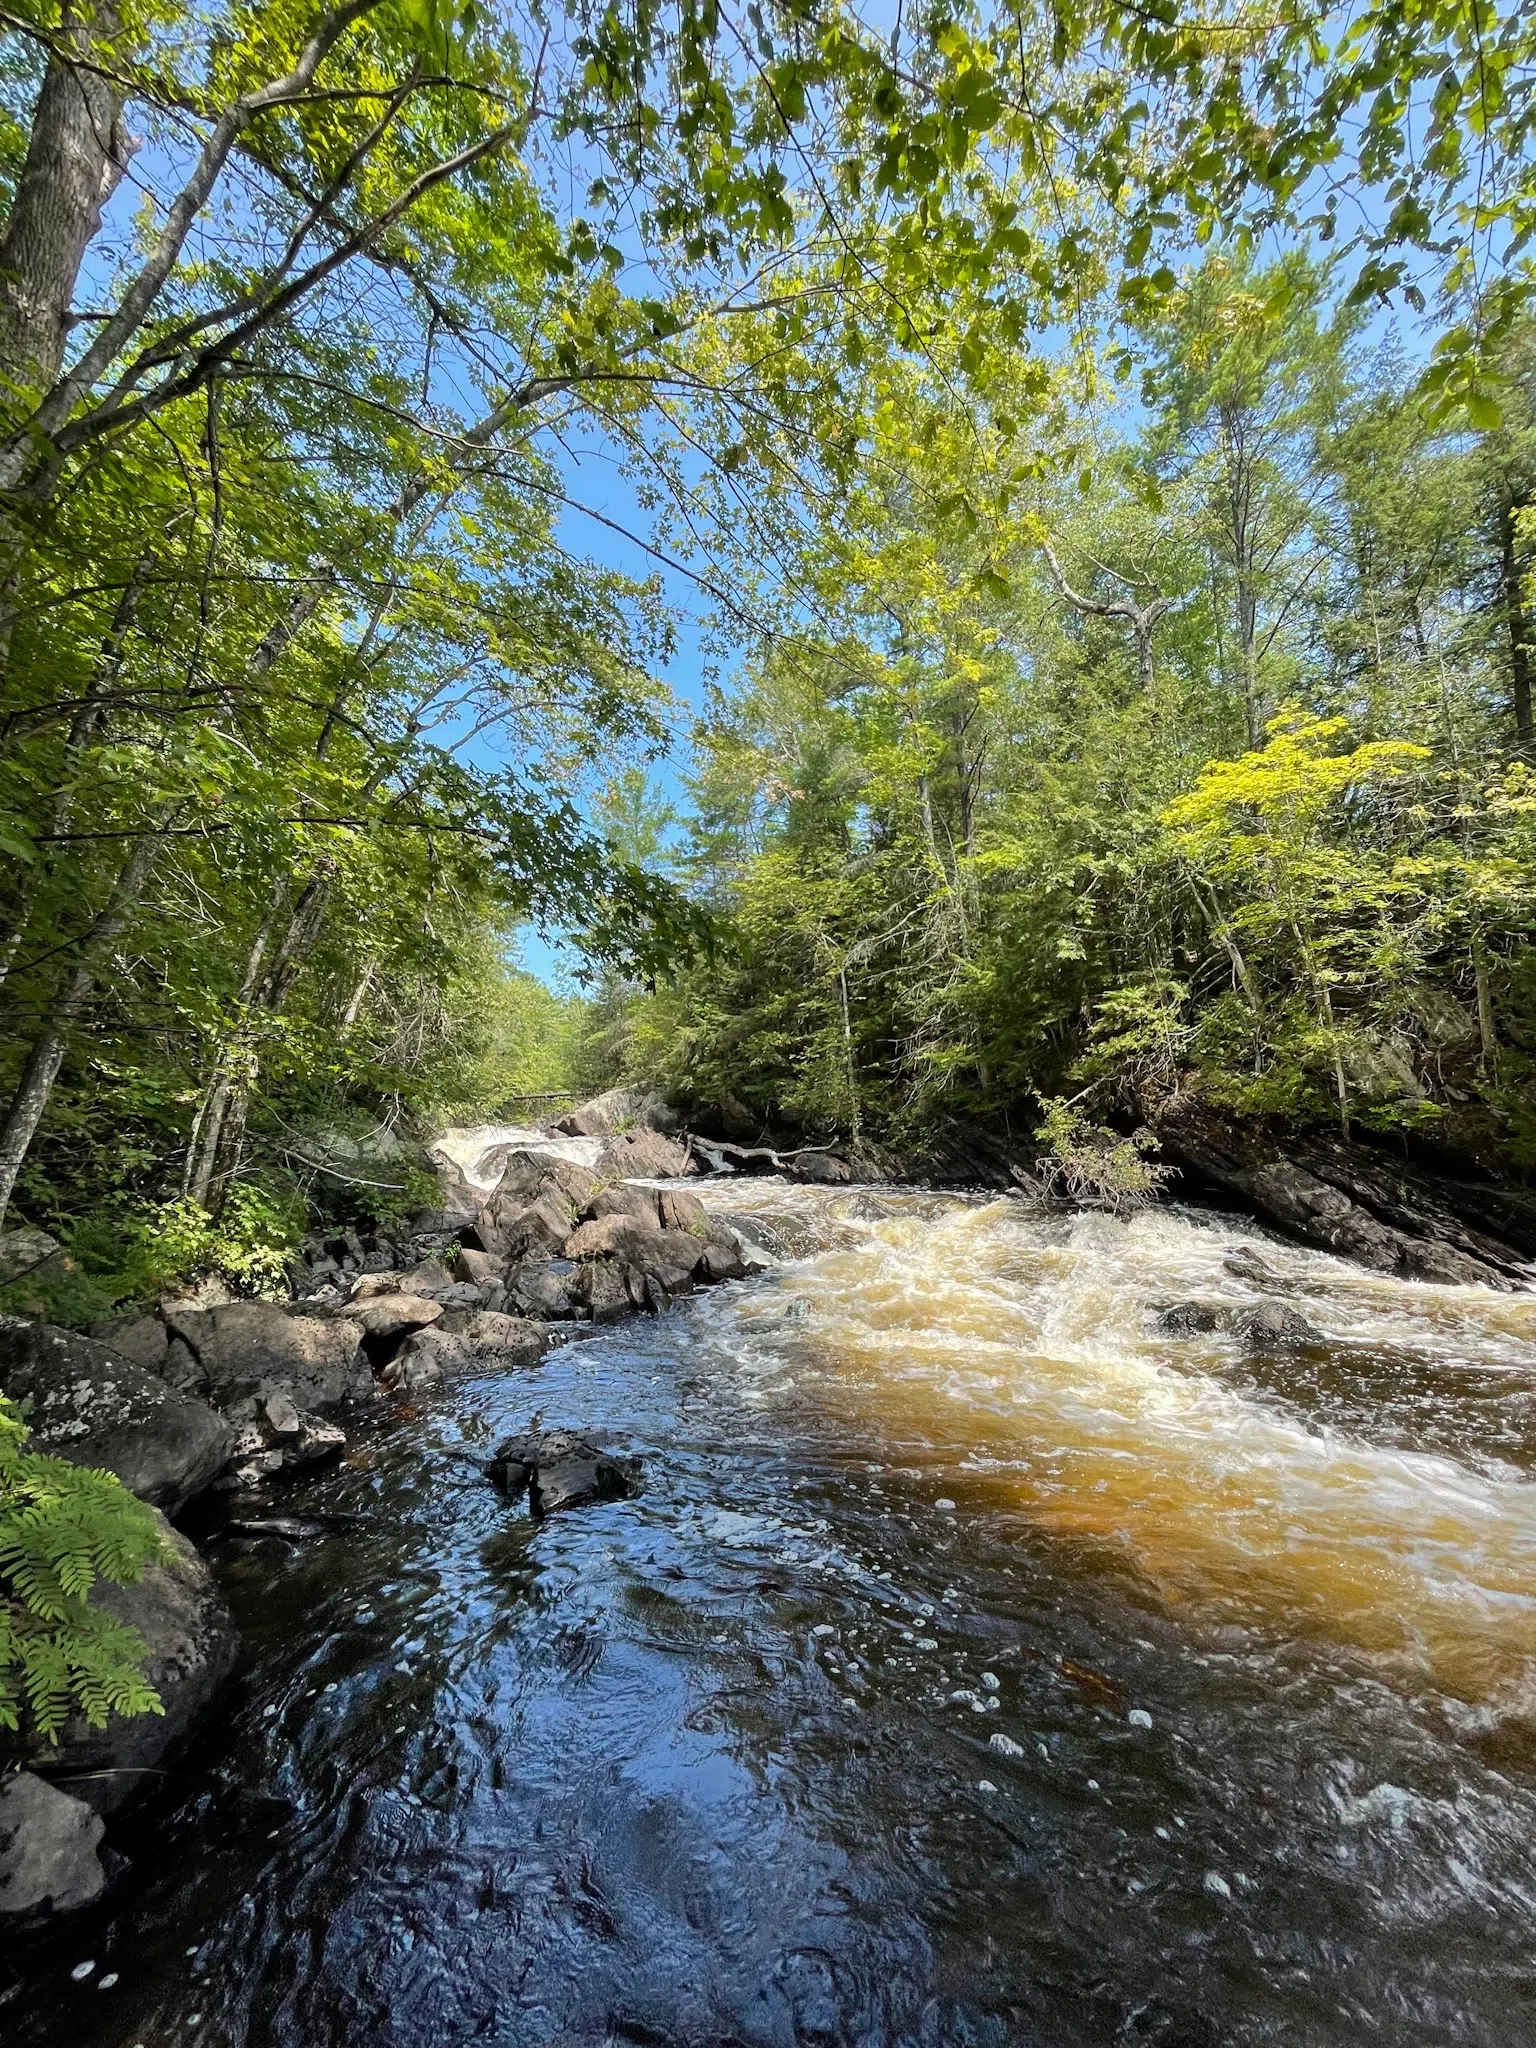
pixel 976 1666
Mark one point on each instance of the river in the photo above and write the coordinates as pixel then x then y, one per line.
pixel 976 1666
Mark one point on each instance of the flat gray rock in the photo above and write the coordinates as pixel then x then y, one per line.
pixel 48 1845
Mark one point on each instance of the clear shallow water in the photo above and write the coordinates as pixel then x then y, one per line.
pixel 717 1765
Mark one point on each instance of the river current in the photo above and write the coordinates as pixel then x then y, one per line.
pixel 977 1665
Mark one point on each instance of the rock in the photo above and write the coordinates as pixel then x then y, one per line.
pixel 480 1266
pixel 510 1227
pixel 559 1469
pixel 601 1288
pixel 505 1336
pixel 48 1848
pixel 423 1360
pixel 1245 1262
pixel 541 1287
pixel 249 1345
pixel 526 1175
pixel 1381 1069
pixel 317 1441
pixel 144 1339
pixel 667 1256
pixel 624 1198
pixel 22 1251
pixel 1344 1197
pixel 617 1111
pixel 282 1416
pixel 824 1169
pixel 382 1316
pixel 178 1610
pixel 1275 1323
pixel 1272 1322
pixel 93 1407
pixel 645 1155
pixel 678 1210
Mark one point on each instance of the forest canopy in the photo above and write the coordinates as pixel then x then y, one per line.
pixel 1102 443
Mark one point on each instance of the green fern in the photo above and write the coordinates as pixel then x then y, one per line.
pixel 63 1527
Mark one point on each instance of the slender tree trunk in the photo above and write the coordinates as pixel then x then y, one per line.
pixel 35 1087
pixel 1522 657
pixel 354 1009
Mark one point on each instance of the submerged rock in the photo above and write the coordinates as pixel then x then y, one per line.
pixel 1272 1322
pixel 88 1404
pixel 558 1469
pixel 48 1849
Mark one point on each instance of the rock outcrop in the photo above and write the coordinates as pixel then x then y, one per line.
pixel 1359 1201
pixel 93 1406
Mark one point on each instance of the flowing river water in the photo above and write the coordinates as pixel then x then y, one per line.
pixel 976 1666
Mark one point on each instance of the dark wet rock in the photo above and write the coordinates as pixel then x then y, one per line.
pixel 178 1610
pixel 382 1316
pixel 88 1404
pixel 1275 1323
pixel 251 1345
pixel 1272 1322
pixel 1245 1262
pixel 289 1528
pixel 1348 1198
pixel 558 1469
pixel 48 1849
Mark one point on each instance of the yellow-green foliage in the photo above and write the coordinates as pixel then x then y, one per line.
pixel 63 1527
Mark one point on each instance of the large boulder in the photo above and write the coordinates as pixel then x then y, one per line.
pixel 645 1155
pixel 618 1111
pixel 248 1347
pixel 88 1404
pixel 48 1849
pixel 144 1339
pixel 526 1174
pixel 178 1610
pixel 492 1335
pixel 392 1314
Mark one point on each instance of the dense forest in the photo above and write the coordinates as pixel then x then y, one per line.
pixel 1102 448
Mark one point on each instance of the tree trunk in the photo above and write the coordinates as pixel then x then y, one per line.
pixel 76 154
pixel 1521 657
pixel 47 1055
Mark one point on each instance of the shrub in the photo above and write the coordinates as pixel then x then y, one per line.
pixel 62 1527
pixel 1088 1163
